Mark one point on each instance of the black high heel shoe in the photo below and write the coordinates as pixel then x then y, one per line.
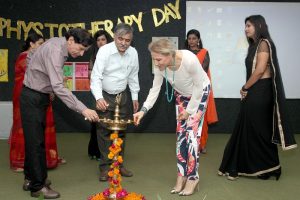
pixel 276 173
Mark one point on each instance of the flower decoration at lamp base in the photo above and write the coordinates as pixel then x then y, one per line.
pixel 129 196
pixel 115 190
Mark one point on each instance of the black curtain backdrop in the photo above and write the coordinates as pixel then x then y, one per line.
pixel 50 13
pixel 75 11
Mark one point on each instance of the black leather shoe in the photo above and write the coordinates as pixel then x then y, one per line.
pixel 46 193
pixel 26 184
pixel 125 172
pixel 103 175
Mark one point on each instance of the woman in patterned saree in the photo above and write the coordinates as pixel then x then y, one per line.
pixel 17 149
pixel 263 120
pixel 190 87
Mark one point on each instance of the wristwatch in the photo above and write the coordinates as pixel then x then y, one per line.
pixel 143 109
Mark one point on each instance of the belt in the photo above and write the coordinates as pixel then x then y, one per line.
pixel 113 94
pixel 24 86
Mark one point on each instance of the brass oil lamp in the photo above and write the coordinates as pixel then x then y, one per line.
pixel 115 190
pixel 116 124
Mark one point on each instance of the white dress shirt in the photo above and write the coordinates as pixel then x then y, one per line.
pixel 190 79
pixel 112 71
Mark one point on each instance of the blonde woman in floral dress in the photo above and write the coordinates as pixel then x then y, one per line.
pixel 190 88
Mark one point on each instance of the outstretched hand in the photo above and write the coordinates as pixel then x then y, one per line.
pixel 90 115
pixel 101 104
pixel 137 117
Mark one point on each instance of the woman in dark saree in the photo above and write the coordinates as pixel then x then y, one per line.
pixel 263 121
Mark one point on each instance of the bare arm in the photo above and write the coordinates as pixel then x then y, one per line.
pixel 261 68
pixel 205 63
pixel 261 65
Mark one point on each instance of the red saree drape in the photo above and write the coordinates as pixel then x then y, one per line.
pixel 17 146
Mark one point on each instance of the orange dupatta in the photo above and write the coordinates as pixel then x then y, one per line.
pixel 211 111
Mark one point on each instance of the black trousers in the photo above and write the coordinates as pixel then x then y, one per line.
pixel 93 149
pixel 33 106
pixel 103 134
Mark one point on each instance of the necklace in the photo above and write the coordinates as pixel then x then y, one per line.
pixel 169 98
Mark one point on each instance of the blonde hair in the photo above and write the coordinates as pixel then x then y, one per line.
pixel 162 46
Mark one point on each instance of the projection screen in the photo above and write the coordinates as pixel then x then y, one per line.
pixel 221 25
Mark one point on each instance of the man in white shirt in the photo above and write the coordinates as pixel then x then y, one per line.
pixel 116 66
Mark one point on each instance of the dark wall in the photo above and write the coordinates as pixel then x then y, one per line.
pixel 159 119
pixel 75 11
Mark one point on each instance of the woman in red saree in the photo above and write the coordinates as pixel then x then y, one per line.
pixel 16 141
pixel 194 44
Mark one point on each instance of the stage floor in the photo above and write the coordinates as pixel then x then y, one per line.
pixel 152 159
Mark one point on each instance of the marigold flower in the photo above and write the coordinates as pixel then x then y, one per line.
pixel 110 155
pixel 119 178
pixel 114 135
pixel 114 150
pixel 119 188
pixel 98 196
pixel 116 171
pixel 110 173
pixel 118 142
pixel 120 159
pixel 117 150
pixel 134 196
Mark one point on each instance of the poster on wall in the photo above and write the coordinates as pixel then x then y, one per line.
pixel 76 76
pixel 3 65
pixel 173 39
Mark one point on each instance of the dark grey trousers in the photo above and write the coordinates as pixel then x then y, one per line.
pixel 103 134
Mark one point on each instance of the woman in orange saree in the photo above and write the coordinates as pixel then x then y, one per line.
pixel 194 44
